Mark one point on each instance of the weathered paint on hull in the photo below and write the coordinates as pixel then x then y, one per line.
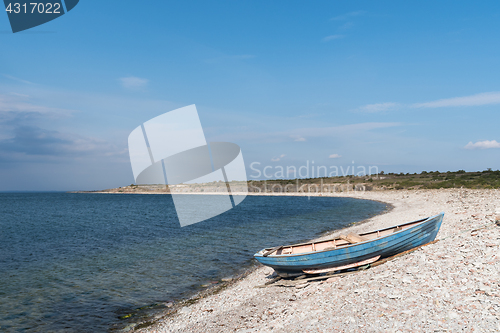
pixel 386 246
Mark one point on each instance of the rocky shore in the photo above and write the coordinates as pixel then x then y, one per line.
pixel 451 285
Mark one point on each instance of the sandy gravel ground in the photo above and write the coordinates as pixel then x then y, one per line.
pixel 452 285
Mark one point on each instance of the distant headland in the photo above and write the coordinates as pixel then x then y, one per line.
pixel 487 179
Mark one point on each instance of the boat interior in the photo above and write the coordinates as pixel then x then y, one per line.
pixel 339 242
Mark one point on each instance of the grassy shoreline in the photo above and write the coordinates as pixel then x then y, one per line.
pixel 487 179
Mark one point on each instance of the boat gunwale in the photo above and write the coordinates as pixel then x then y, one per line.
pixel 420 222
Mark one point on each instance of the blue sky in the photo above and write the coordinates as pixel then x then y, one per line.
pixel 403 86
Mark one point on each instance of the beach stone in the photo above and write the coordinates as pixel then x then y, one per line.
pixel 302 285
pixel 332 279
pixel 128 328
pixel 279 326
pixel 245 330
pixel 185 310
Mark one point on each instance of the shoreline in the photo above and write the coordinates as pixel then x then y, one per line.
pixel 239 306
pixel 243 272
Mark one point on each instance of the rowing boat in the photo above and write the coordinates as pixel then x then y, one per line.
pixel 351 250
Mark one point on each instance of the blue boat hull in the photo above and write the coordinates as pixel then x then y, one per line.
pixel 386 246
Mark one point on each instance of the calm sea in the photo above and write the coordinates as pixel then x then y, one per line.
pixel 82 262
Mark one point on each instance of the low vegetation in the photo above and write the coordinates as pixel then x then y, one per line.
pixel 487 179
pixel 398 181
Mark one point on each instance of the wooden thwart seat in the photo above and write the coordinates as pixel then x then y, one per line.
pixel 353 238
pixel 272 250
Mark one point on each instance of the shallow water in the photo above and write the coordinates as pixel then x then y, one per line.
pixel 81 262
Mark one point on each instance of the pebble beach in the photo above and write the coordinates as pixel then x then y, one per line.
pixel 451 285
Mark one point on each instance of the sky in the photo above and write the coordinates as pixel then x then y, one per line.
pixel 403 86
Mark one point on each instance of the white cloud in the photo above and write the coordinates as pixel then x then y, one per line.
pixel 488 98
pixel 298 138
pixel 343 130
pixel 307 133
pixel 276 159
pixel 332 37
pixel 483 145
pixel 379 107
pixel 346 26
pixel 17 79
pixel 348 15
pixel 335 156
pixel 16 103
pixel 133 82
pixel 472 100
pixel 26 142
